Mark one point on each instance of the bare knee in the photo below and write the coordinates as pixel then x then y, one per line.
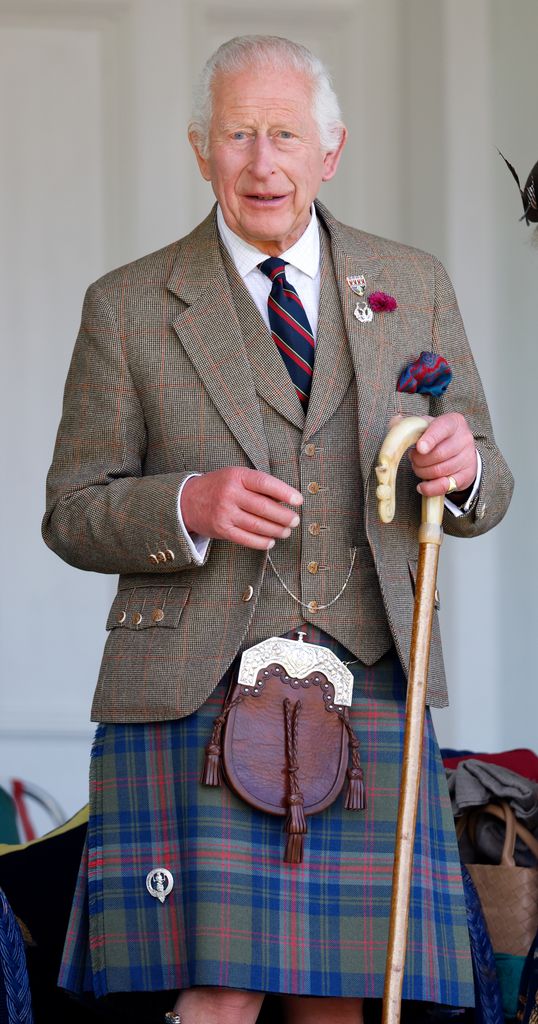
pixel 313 1010
pixel 212 1005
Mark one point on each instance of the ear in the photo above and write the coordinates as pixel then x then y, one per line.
pixel 332 159
pixel 203 162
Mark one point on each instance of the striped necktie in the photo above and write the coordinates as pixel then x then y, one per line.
pixel 290 328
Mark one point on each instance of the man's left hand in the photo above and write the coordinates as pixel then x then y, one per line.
pixel 446 449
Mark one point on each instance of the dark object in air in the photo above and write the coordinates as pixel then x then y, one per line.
pixel 529 194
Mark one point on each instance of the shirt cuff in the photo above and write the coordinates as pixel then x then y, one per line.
pixel 196 544
pixel 461 510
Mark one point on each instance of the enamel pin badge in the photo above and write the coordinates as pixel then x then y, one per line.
pixel 159 883
pixel 357 283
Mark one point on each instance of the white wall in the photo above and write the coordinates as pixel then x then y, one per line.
pixel 95 170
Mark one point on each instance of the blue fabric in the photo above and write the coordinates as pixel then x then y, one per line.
pixel 15 998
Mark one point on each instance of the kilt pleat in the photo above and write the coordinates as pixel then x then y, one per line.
pixel 238 916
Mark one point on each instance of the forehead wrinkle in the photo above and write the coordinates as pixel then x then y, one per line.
pixel 254 114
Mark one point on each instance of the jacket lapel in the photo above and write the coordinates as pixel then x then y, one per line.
pixel 333 367
pixel 371 345
pixel 210 333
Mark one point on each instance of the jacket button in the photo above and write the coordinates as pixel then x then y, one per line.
pixel 136 619
pixel 154 559
pixel 247 594
pixel 161 557
pixel 310 450
pixel 313 606
pixel 120 618
pixel 157 615
pixel 314 529
pixel 313 487
pixel 313 567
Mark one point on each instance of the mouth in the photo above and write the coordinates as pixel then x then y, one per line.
pixel 264 199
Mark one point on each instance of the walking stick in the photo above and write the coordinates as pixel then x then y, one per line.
pixel 430 535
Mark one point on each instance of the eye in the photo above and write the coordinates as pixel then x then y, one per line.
pixel 239 136
pixel 284 134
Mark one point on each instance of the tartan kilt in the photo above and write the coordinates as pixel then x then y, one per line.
pixel 238 916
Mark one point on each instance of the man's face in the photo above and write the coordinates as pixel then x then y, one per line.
pixel 265 159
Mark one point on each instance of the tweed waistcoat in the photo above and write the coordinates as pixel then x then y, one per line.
pixel 314 563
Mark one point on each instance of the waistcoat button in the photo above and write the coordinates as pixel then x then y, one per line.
pixel 313 567
pixel 313 487
pixel 310 449
pixel 313 606
pixel 314 529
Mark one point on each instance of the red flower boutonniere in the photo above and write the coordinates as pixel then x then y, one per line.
pixel 380 302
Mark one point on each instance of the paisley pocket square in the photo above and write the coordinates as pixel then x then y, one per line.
pixel 430 374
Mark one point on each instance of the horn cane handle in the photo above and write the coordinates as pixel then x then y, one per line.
pixel 401 436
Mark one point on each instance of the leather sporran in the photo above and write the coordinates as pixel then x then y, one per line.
pixel 283 739
pixel 508 893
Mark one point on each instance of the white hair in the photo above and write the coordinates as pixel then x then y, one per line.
pixel 268 51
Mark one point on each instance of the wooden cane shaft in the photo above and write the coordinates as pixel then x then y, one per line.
pixel 428 558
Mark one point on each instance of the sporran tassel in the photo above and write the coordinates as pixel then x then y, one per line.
pixel 212 770
pixel 295 826
pixel 355 796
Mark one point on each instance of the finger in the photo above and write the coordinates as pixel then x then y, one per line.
pixel 450 467
pixel 439 429
pixel 452 447
pixel 434 488
pixel 260 527
pixel 266 508
pixel 250 540
pixel 441 485
pixel 264 483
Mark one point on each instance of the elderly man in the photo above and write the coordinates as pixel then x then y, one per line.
pixel 227 475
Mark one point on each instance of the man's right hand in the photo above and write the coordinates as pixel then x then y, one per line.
pixel 241 505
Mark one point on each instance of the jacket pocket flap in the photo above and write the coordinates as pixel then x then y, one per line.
pixel 148 607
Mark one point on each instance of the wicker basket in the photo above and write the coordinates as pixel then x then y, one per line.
pixel 508 893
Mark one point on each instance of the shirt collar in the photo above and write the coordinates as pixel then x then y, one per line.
pixel 303 254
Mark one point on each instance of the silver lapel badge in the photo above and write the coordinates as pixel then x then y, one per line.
pixel 357 283
pixel 363 313
pixel 159 883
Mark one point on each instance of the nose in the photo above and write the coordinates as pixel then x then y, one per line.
pixel 262 157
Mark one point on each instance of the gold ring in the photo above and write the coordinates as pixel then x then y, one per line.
pixel 452 485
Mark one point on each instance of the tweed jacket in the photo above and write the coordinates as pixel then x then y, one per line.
pixel 161 385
